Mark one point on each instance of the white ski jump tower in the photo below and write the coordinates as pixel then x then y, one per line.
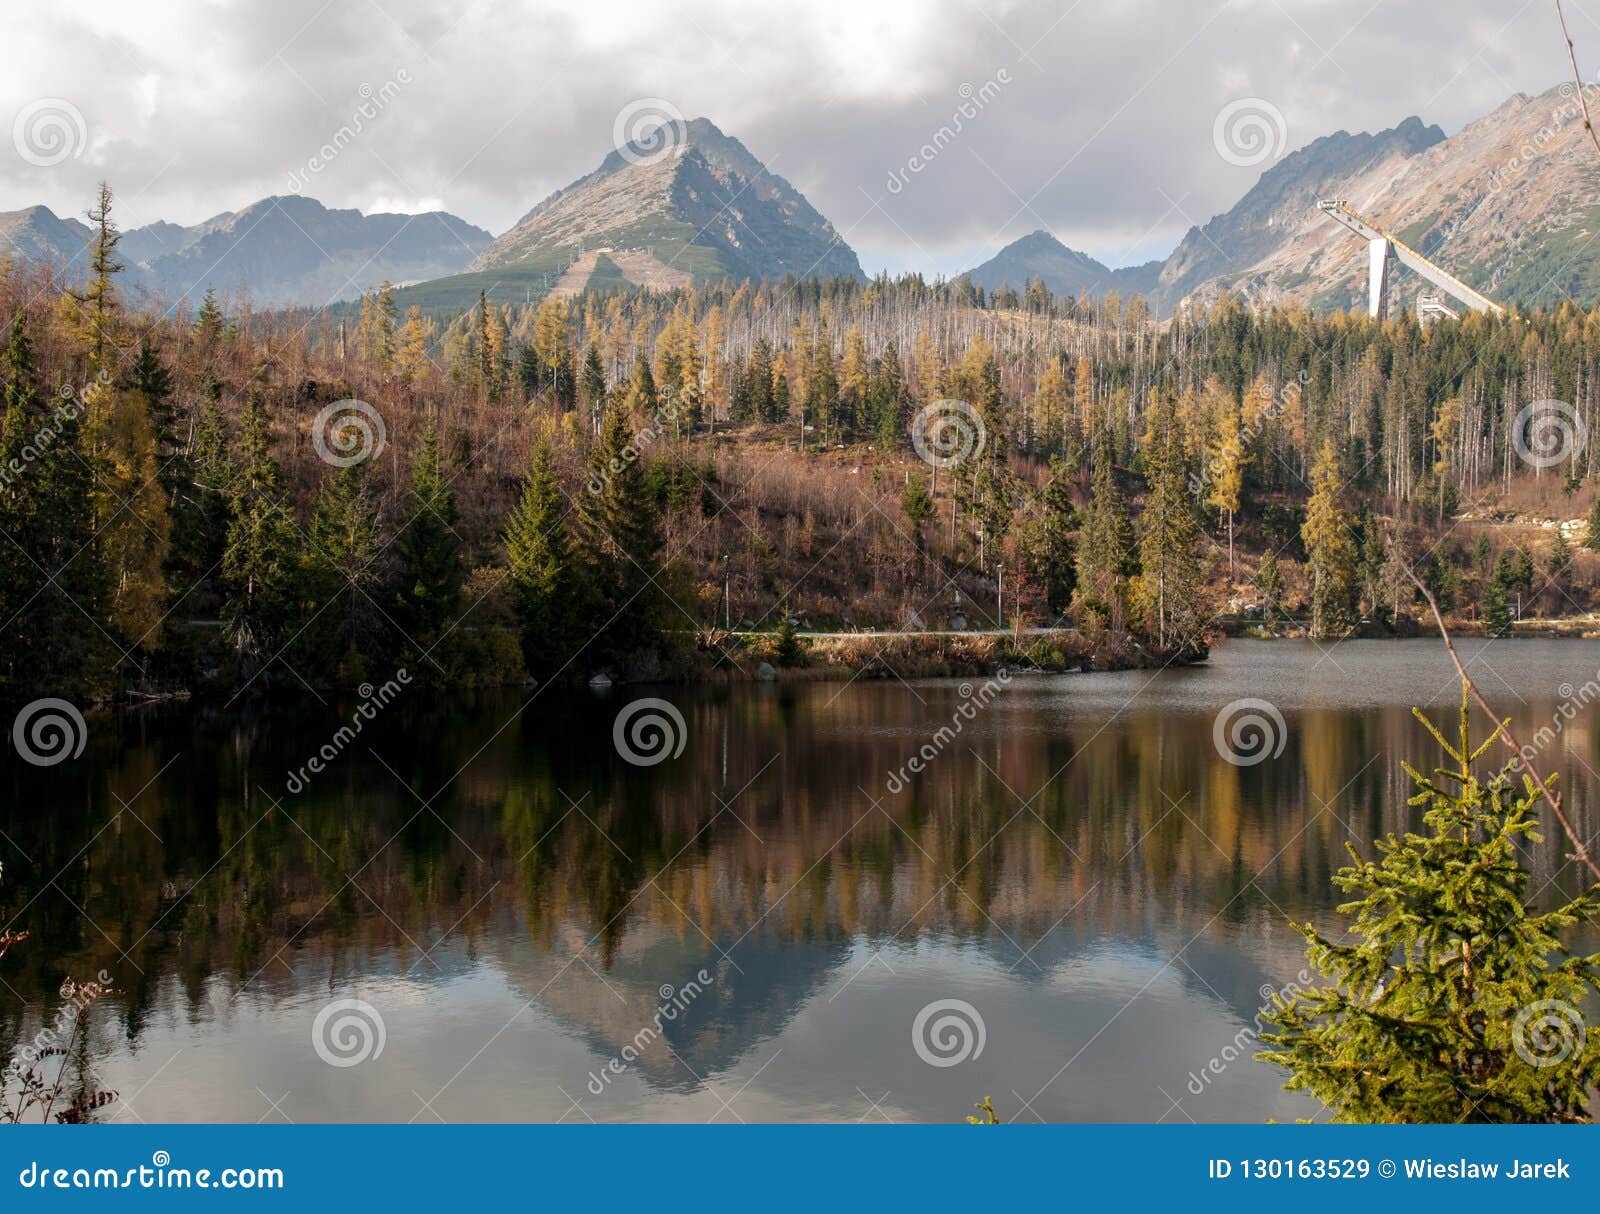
pixel 1379 247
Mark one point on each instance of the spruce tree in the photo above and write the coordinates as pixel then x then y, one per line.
pixel 1045 542
pixel 1558 566
pixel 204 509
pixel 209 322
pixel 622 543
pixel 592 384
pixel 1495 610
pixel 260 563
pixel 1453 998
pixel 539 561
pixel 887 400
pixel 53 594
pixel 1105 543
pixel 1169 538
pixel 430 575
pixel 916 503
pixel 1270 582
pixel 762 406
pixel 339 581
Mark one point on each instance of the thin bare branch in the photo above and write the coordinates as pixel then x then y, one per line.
pixel 1577 77
pixel 1503 728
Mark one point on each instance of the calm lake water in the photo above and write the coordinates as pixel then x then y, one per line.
pixel 1074 907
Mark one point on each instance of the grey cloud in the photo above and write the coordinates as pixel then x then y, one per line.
pixel 1103 135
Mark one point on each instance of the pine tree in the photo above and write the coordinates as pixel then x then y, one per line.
pixel 592 385
pixel 528 372
pixel 261 560
pixel 621 541
pixel 53 592
pixel 1105 543
pixel 887 400
pixel 1330 549
pixel 916 503
pixel 1456 1000
pixel 1045 543
pixel 1495 610
pixel 1169 537
pixel 1558 566
pixel 1270 582
pixel 208 323
pixel 761 383
pixel 339 580
pixel 430 575
pixel 539 561
pixel 149 377
pixel 204 502
pixel 1591 538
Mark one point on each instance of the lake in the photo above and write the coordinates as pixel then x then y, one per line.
pixel 815 901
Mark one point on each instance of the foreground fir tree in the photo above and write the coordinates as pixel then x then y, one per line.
pixel 1455 998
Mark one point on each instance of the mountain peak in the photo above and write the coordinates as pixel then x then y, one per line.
pixel 1064 270
pixel 685 202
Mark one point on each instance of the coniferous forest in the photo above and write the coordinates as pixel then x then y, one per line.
pixel 202 495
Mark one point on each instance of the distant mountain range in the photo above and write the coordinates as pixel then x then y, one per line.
pixel 281 251
pixel 1065 271
pixel 1509 204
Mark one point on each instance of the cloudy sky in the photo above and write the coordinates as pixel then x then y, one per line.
pixel 1096 119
